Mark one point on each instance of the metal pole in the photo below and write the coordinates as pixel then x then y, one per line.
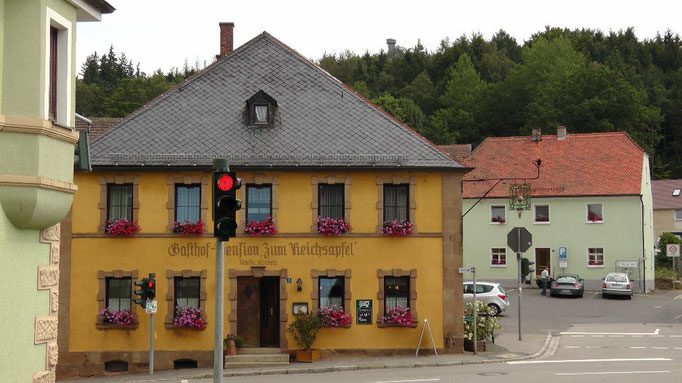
pixel 473 270
pixel 518 265
pixel 219 295
pixel 151 344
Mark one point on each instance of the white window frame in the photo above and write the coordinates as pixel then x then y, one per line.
pixel 492 256
pixel 504 215
pixel 677 214
pixel 587 212
pixel 549 216
pixel 603 254
pixel 64 53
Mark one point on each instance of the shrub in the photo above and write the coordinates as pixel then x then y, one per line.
pixel 485 325
pixel 304 330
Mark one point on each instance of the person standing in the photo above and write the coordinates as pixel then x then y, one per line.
pixel 544 278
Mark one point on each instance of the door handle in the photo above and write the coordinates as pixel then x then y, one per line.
pixel 272 311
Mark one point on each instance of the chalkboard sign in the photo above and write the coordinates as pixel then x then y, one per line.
pixel 363 310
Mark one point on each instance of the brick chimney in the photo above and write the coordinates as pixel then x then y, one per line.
pixel 225 38
pixel 560 132
pixel 537 135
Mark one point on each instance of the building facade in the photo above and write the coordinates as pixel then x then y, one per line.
pixel 589 207
pixel 307 148
pixel 667 207
pixel 37 138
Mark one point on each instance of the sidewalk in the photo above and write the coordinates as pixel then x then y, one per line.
pixel 506 347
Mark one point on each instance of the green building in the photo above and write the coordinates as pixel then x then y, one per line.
pixel 589 208
pixel 37 138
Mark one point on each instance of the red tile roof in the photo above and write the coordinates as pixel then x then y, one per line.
pixel 457 151
pixel 580 164
pixel 663 194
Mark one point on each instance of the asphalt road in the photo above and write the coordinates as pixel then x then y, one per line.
pixel 599 340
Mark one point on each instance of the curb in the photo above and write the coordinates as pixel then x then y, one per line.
pixel 548 348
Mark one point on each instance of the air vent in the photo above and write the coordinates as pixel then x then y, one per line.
pixel 184 363
pixel 116 366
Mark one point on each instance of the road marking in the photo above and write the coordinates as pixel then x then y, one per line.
pixel 410 380
pixel 589 360
pixel 678 317
pixel 638 347
pixel 609 373
pixel 616 336
pixel 572 333
pixel 675 336
pixel 596 336
pixel 678 348
pixel 577 336
pixel 572 346
pixel 659 348
pixel 658 307
pixel 678 297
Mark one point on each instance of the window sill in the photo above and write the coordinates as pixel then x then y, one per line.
pixel 541 222
pixel 498 223
pixel 498 265
pixel 595 266
pixel 170 326
pixel 114 326
pixel 383 325
pixel 595 221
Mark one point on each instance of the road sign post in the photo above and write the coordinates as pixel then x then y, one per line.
pixel 519 239
pixel 672 250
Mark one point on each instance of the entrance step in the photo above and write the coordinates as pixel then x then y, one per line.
pixel 256 357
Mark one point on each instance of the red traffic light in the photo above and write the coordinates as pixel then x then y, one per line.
pixel 150 284
pixel 225 182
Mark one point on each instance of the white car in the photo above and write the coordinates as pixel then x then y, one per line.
pixel 490 293
pixel 616 284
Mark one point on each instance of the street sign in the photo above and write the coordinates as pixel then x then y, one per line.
pixel 627 264
pixel 150 307
pixel 673 250
pixel 466 269
pixel 562 253
pixel 519 239
pixel 563 263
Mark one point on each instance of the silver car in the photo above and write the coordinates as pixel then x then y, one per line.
pixel 490 293
pixel 616 284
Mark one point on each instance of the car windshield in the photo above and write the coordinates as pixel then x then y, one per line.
pixel 566 279
pixel 616 278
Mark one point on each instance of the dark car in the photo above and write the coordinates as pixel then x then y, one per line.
pixel 567 284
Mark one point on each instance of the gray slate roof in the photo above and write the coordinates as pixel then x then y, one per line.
pixel 319 122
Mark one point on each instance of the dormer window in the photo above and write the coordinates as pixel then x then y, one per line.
pixel 261 110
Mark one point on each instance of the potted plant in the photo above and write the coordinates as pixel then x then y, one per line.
pixel 304 331
pixel 485 325
pixel 122 227
pixel 399 317
pixel 189 228
pixel 189 317
pixel 257 228
pixel 232 342
pixel 398 228
pixel 334 316
pixel 117 317
pixel 332 226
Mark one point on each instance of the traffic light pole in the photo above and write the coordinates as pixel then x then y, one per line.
pixel 219 294
pixel 151 344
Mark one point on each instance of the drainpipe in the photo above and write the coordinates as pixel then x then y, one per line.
pixel 641 202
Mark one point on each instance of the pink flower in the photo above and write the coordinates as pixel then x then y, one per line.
pixel 396 228
pixel 332 226
pixel 264 227
pixel 122 227
pixel 399 316
pixel 188 228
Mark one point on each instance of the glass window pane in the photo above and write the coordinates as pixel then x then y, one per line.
pixel 594 212
pixel 261 114
pixel 118 293
pixel 120 201
pixel 187 291
pixel 331 201
pixel 396 202
pixel 541 213
pixel 187 202
pixel 497 214
pixel 331 291
pixel 396 292
pixel 258 202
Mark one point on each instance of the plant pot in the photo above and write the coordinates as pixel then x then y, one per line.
pixel 231 348
pixel 469 345
pixel 307 356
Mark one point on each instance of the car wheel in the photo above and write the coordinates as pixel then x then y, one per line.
pixel 494 309
pixel 629 296
pixel 603 295
pixel 580 295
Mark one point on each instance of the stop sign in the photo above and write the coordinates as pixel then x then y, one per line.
pixel 519 239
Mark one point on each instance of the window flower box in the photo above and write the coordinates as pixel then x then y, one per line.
pixel 122 227
pixel 189 317
pixel 117 317
pixel 187 227
pixel 593 217
pixel 334 316
pixel 595 263
pixel 332 226
pixel 399 317
pixel 498 262
pixel 497 220
pixel 397 228
pixel 257 228
pixel 541 219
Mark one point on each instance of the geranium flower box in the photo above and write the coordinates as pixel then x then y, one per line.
pixel 187 227
pixel 398 228
pixel 190 317
pixel 122 227
pixel 334 316
pixel 258 228
pixel 332 226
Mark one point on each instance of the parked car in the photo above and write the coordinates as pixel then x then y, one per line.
pixel 616 284
pixel 490 293
pixel 567 284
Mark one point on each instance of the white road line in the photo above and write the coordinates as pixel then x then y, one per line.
pixel 678 348
pixel 592 346
pixel 638 347
pixel 577 336
pixel 610 333
pixel 675 336
pixel 572 346
pixel 678 317
pixel 616 336
pixel 678 297
pixel 596 336
pixel 660 348
pixel 410 380
pixel 609 373
pixel 589 360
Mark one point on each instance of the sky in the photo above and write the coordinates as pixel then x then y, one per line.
pixel 161 34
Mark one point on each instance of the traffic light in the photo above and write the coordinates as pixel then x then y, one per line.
pixel 225 204
pixel 150 290
pixel 143 292
pixel 525 268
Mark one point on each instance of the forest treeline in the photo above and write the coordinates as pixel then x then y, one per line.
pixel 472 88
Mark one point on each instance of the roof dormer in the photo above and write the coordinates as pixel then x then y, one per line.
pixel 260 110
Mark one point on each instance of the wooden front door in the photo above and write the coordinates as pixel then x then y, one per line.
pixel 542 260
pixel 258 311
pixel 248 310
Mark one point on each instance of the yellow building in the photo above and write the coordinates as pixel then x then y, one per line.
pixel 305 146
